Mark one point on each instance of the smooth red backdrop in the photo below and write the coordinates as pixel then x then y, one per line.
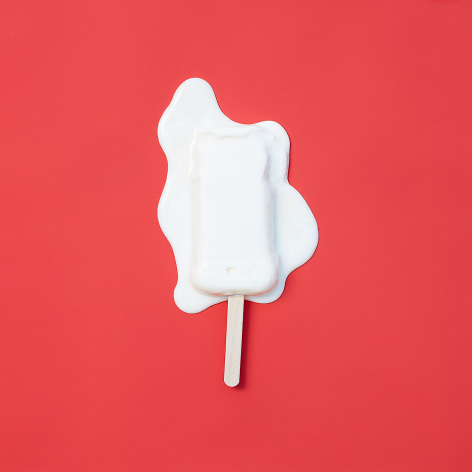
pixel 364 364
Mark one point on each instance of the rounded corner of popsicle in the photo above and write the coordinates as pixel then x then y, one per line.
pixel 193 85
pixel 183 304
pixel 188 310
pixel 278 131
pixel 191 306
pixel 195 81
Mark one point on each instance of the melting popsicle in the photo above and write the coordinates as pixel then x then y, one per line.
pixel 233 224
pixel 237 227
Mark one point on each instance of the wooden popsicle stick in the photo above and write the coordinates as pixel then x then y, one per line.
pixel 234 336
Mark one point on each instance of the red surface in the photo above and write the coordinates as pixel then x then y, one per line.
pixel 364 364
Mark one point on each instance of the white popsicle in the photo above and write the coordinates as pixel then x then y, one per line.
pixel 233 225
pixel 233 219
pixel 237 227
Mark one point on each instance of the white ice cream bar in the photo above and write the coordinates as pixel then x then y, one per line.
pixel 237 227
pixel 233 212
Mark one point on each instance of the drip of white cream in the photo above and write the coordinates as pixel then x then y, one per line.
pixel 192 113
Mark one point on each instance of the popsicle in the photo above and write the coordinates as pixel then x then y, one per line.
pixel 233 223
pixel 237 227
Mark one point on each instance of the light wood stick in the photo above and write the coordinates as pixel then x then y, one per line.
pixel 234 336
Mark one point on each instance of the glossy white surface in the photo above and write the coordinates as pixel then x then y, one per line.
pixel 232 219
pixel 234 222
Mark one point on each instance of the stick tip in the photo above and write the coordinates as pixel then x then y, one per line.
pixel 231 382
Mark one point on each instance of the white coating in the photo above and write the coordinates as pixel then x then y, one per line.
pixel 234 222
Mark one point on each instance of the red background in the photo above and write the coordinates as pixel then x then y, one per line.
pixel 364 364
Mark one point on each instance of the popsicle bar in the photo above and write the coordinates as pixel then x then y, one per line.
pixel 237 227
pixel 233 222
